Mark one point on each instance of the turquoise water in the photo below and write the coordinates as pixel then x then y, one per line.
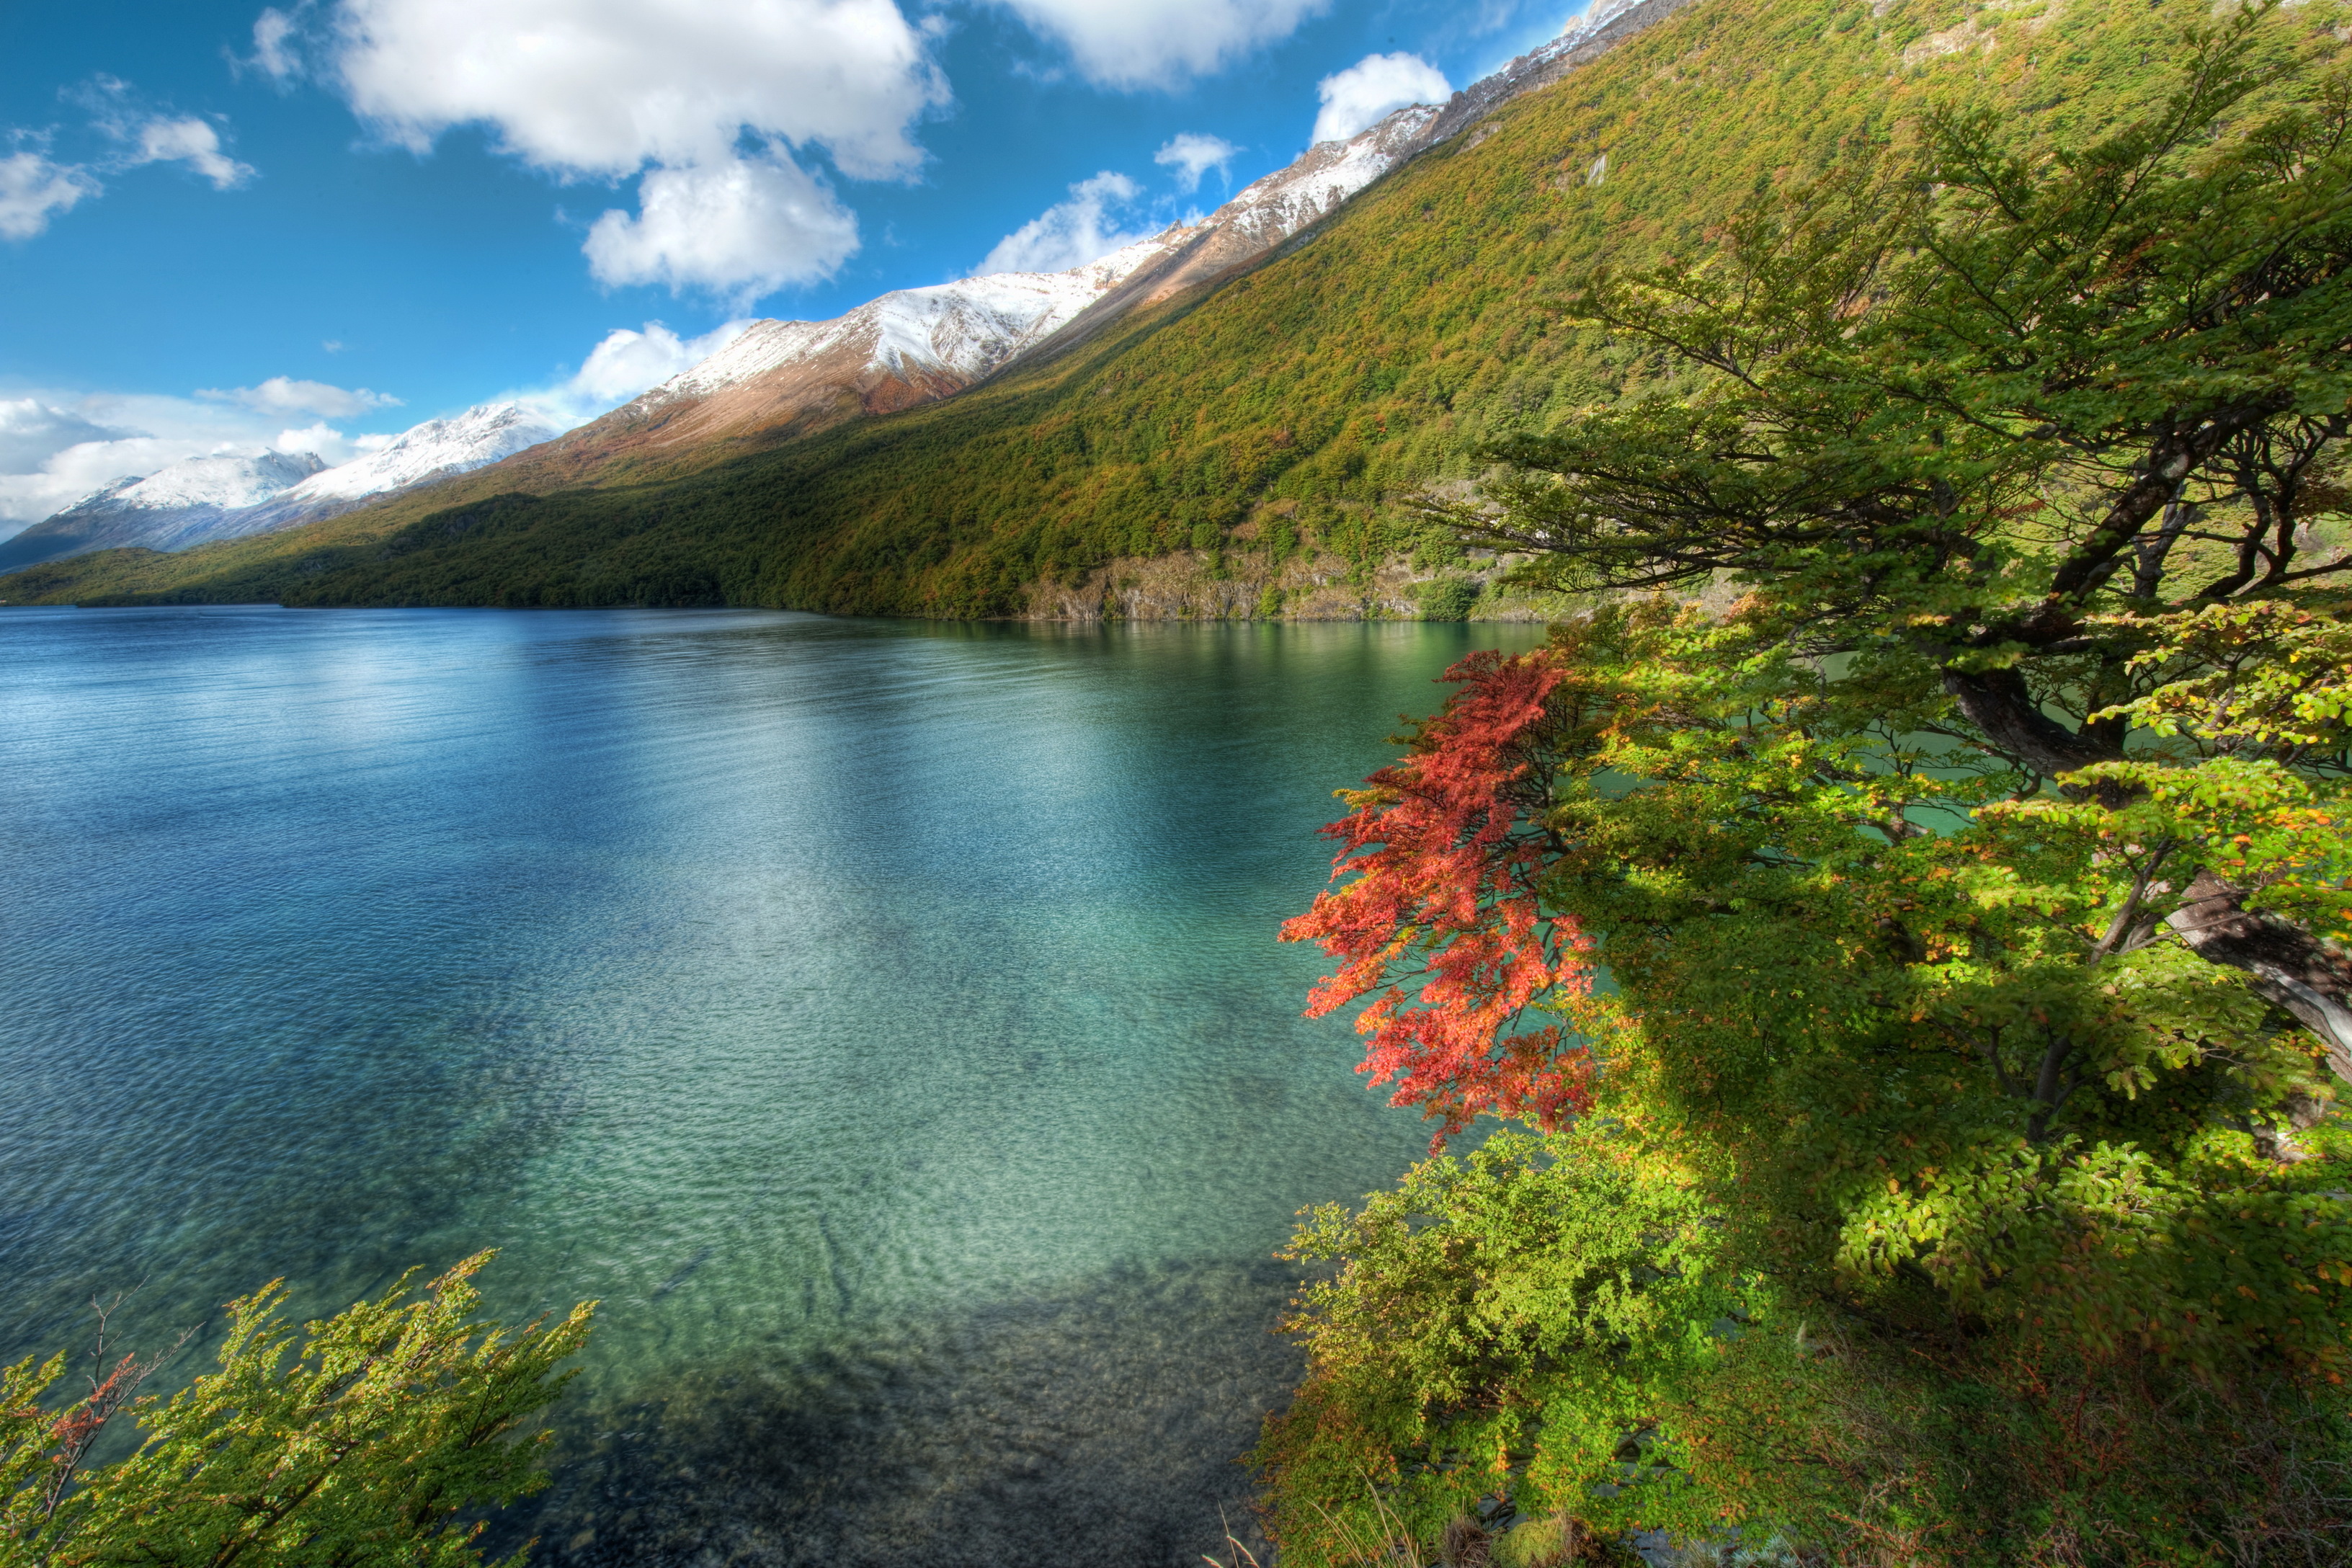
pixel 883 1019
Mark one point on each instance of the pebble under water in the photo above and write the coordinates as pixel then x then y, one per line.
pixel 883 1019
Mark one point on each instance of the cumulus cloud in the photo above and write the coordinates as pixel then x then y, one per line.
pixel 33 189
pixel 739 228
pixel 283 395
pixel 715 103
pixel 1373 88
pixel 32 430
pixel 1069 234
pixel 624 364
pixel 1192 155
pixel 1157 43
pixel 330 444
pixel 603 89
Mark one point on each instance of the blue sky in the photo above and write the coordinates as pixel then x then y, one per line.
pixel 301 224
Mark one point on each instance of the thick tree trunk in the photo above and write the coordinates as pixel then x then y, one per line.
pixel 1998 703
pixel 2285 963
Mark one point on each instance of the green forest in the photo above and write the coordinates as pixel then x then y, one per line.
pixel 1298 408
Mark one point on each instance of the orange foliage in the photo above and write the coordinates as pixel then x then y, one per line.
pixel 1443 854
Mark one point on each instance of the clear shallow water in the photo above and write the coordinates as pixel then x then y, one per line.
pixel 883 1019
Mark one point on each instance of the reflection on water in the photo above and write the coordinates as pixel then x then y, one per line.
pixel 882 1020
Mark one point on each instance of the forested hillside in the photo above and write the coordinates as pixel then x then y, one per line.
pixel 1278 424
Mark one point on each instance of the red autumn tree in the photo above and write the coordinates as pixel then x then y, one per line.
pixel 1441 856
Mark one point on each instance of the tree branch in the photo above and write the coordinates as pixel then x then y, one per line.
pixel 2283 963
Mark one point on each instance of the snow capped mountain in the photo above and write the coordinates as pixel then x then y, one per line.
pixel 201 499
pixel 168 510
pixel 967 328
pixel 964 331
pixel 431 449
pixel 915 345
pixel 218 482
pixel 1273 209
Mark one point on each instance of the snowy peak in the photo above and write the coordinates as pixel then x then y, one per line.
pixel 1271 209
pixel 972 328
pixel 966 329
pixel 227 496
pixel 935 341
pixel 222 481
pixel 190 500
pixel 437 448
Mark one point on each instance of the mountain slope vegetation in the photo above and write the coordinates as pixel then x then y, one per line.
pixel 1282 418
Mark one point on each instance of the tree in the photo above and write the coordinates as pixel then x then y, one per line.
pixel 1934 947
pixel 393 1419
pixel 2008 419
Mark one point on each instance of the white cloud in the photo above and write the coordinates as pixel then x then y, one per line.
pixel 1068 234
pixel 624 365
pixel 604 87
pixel 32 188
pixel 283 394
pixel 331 444
pixel 275 40
pixel 151 135
pixel 1191 154
pixel 681 90
pixel 1157 43
pixel 739 228
pixel 186 140
pixel 1373 87
pixel 30 430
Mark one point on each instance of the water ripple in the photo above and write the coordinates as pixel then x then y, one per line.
pixel 883 1019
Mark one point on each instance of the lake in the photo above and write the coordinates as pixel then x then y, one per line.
pixel 883 1019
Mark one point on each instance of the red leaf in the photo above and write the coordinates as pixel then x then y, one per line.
pixel 1443 857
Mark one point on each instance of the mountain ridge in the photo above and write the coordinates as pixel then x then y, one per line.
pixel 1250 446
pixel 780 380
pixel 225 496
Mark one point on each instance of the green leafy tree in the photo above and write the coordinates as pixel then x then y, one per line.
pixel 2006 423
pixel 1939 934
pixel 367 1445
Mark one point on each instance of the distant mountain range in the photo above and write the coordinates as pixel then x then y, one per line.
pixel 201 499
pixel 779 379
pixel 1232 417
